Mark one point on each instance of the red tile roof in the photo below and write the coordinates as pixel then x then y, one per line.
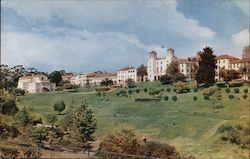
pixel 127 68
pixel 226 56
pixel 100 74
pixel 185 61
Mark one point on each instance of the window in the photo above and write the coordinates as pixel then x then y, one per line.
pixel 223 61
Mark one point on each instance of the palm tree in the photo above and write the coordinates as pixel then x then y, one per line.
pixel 142 71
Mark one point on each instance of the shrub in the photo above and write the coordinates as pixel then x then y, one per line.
pixel 206 97
pixel 147 99
pixel 231 96
pixel 168 89
pixel 244 96
pixel 181 87
pixel 195 98
pixel 23 117
pixel 218 106
pixel 154 92
pixel 98 94
pixel 166 98
pixel 235 83
pixel 227 90
pixel 209 91
pixel 130 91
pixel 174 98
pixel 221 84
pixel 145 90
pixel 123 92
pixel 59 106
pixel 236 90
pixel 245 90
pixel 19 92
pixel 165 79
pixel 101 89
pixel 137 90
pixel 178 77
pixel 117 94
pixel 195 89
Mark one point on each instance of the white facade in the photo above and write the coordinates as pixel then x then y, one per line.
pixel 186 67
pixel 80 79
pixel 127 73
pixel 157 66
pixel 35 84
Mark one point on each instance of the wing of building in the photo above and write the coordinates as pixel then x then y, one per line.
pixel 35 83
pixel 126 73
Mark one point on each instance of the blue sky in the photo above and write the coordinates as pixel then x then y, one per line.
pixel 85 36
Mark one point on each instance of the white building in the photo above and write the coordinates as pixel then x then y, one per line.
pixel 96 78
pixel 80 79
pixel 126 73
pixel 35 84
pixel 186 67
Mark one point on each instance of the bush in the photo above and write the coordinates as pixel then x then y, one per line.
pixel 195 98
pixel 209 91
pixel 147 99
pixel 221 84
pixel 168 89
pixel 181 87
pixel 165 79
pixel 137 90
pixel 236 90
pixel 206 97
pixel 59 106
pixel 145 90
pixel 117 94
pixel 218 106
pixel 195 89
pixel 244 96
pixel 179 77
pixel 19 92
pixel 231 96
pixel 227 90
pixel 245 90
pixel 235 83
pixel 166 98
pixel 153 92
pixel 102 89
pixel 174 98
pixel 130 91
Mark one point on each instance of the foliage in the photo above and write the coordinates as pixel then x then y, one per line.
pixel 107 82
pixel 207 64
pixel 230 96
pixel 227 90
pixel 178 77
pixel 221 84
pixel 153 92
pixel 236 90
pixel 142 71
pixel 9 152
pixel 166 98
pixel 130 83
pixel 235 83
pixel 181 87
pixel 84 126
pixel 19 92
pixel 59 106
pixel 51 118
pixel 218 106
pixel 55 77
pixel 23 117
pixel 145 90
pixel 102 89
pixel 246 90
pixel 195 89
pixel 229 75
pixel 209 91
pixel 235 134
pixel 206 97
pixel 244 96
pixel 166 79
pixel 8 131
pixel 174 98
pixel 147 99
pixel 7 104
pixel 168 89
pixel 69 86
pixel 137 90
pixel 195 98
pixel 38 134
pixel 173 68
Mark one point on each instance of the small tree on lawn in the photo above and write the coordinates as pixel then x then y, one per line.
pixel 84 126
pixel 23 117
pixel 59 106
pixel 51 118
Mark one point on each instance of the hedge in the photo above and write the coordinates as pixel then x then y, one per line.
pixel 102 89
pixel 221 84
pixel 147 99
pixel 235 83
pixel 166 98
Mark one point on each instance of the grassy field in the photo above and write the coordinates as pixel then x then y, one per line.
pixel 189 125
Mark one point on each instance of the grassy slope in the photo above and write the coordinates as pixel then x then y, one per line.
pixel 190 126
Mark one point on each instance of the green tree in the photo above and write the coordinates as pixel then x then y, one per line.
pixel 142 71
pixel 55 77
pixel 38 134
pixel 84 126
pixel 23 117
pixel 51 118
pixel 207 65
pixel 173 68
pixel 107 82
pixel 59 106
pixel 8 104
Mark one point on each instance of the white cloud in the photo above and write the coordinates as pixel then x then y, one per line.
pixel 242 4
pixel 241 39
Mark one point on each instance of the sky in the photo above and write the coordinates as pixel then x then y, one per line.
pixel 106 35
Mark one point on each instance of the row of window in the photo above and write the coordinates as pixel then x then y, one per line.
pixel 127 76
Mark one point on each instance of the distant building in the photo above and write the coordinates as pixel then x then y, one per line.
pixel 35 84
pixel 67 76
pixel 126 73
pixel 80 79
pixel 97 77
pixel 157 66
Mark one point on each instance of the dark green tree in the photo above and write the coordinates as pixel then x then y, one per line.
pixel 142 71
pixel 55 77
pixel 84 126
pixel 206 71
pixel 107 82
pixel 173 68
pixel 23 117
pixel 59 106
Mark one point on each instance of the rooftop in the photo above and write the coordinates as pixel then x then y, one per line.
pixel 226 56
pixel 127 68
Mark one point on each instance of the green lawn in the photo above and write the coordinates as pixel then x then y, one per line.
pixel 189 125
